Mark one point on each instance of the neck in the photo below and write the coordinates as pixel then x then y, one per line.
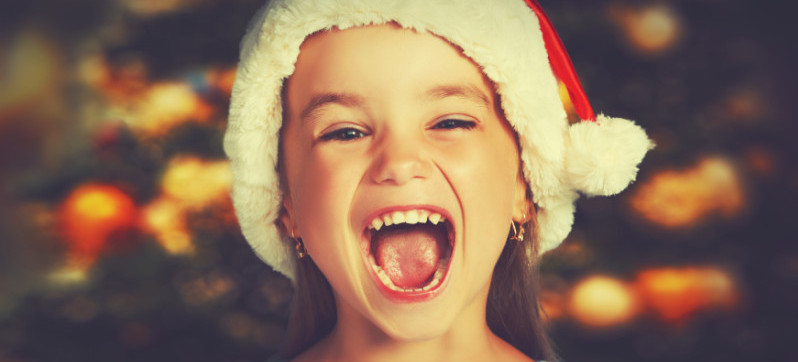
pixel 356 338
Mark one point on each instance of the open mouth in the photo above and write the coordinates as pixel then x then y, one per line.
pixel 409 251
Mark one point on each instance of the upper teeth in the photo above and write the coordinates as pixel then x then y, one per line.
pixel 406 217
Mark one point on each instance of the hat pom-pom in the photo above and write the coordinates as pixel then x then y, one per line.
pixel 603 155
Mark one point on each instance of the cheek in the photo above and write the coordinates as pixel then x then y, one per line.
pixel 321 192
pixel 489 165
pixel 484 175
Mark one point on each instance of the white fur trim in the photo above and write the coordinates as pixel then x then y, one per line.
pixel 501 36
pixel 603 155
pixel 555 220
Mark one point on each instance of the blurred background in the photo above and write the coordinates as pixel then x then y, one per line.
pixel 118 241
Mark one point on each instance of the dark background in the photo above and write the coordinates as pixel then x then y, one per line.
pixel 118 242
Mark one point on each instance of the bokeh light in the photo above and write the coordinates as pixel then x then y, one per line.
pixel 166 219
pixel 675 294
pixel 603 301
pixel 195 182
pixel 32 68
pixel 91 214
pixel 188 185
pixel 156 7
pixel 650 29
pixel 678 199
pixel 162 107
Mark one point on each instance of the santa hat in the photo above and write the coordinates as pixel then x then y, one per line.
pixel 516 47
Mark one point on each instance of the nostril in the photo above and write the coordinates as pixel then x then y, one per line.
pixel 398 173
pixel 399 167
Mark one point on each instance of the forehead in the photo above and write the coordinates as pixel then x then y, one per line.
pixel 382 58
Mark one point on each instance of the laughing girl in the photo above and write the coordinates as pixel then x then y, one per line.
pixel 405 163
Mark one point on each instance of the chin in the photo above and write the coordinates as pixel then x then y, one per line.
pixel 415 327
pixel 425 319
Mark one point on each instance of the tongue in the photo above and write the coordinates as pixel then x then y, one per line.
pixel 409 254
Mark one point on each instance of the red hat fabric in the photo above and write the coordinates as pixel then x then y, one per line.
pixel 561 64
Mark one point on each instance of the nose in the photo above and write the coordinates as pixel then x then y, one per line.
pixel 399 160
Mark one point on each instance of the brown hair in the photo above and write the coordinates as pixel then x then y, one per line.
pixel 313 314
pixel 513 310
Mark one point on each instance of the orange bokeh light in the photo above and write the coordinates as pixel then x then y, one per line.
pixel 761 161
pixel 652 29
pixel 149 8
pixel 675 294
pixel 224 79
pixel 602 301
pixel 91 214
pixel 683 198
pixel 552 304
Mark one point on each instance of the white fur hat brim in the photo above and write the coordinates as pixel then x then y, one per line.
pixel 502 36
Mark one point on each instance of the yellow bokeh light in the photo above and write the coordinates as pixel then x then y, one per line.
pixel 602 301
pixel 68 275
pixel 159 108
pixel 96 204
pixel 196 182
pixel 93 70
pixel 169 104
pixel 165 218
pixel 189 184
pixel 683 198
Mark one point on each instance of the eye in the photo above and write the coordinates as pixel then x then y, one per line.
pixel 453 123
pixel 343 134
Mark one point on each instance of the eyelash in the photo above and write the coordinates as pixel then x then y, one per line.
pixel 343 134
pixel 452 123
pixel 350 134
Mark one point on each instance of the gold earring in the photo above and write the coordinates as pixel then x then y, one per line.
pixel 300 246
pixel 518 234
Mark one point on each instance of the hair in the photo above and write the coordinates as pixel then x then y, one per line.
pixel 513 309
pixel 313 314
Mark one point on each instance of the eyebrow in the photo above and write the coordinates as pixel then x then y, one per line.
pixel 468 92
pixel 319 100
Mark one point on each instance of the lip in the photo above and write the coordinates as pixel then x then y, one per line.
pixel 407 297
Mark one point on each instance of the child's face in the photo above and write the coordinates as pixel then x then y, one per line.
pixel 383 119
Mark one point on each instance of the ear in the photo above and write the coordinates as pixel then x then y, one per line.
pixel 521 205
pixel 287 219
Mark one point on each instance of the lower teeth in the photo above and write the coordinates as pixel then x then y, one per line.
pixel 436 279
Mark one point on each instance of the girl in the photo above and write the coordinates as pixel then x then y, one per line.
pixel 405 163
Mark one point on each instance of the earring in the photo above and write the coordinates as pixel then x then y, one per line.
pixel 518 234
pixel 300 246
